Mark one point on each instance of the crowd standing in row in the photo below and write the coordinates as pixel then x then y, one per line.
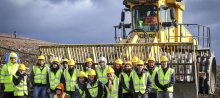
pixel 131 79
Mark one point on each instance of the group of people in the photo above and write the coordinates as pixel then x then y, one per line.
pixel 62 79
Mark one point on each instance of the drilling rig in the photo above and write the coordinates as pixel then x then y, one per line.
pixel 156 29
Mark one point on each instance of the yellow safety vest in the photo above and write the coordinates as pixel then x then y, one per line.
pixel 82 93
pixel 21 88
pixel 55 79
pixel 140 84
pixel 102 76
pixel 126 81
pixel 165 78
pixel 93 89
pixel 40 76
pixel 152 76
pixel 114 93
pixel 7 72
pixel 70 80
pixel 63 96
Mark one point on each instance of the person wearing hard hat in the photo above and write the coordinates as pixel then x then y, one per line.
pixel 20 82
pixel 111 88
pixel 165 79
pixel 94 88
pixel 7 72
pixel 125 78
pixel 81 85
pixel 60 93
pixel 50 58
pixel 102 70
pixel 118 67
pixel 55 76
pixel 140 82
pixel 64 64
pixel 40 78
pixel 88 66
pixel 152 70
pixel 134 61
pixel 70 75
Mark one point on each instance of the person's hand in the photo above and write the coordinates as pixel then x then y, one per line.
pixel 164 88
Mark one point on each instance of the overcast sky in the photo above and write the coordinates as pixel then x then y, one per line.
pixel 88 21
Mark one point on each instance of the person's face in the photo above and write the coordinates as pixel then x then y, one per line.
pixel 55 65
pixel 110 76
pixel 164 65
pixel 127 67
pixel 117 66
pixel 13 59
pixel 151 64
pixel 70 66
pixel 88 67
pixel 102 64
pixel 89 63
pixel 41 62
pixel 134 63
pixel 58 92
pixel 140 67
pixel 81 80
pixel 91 77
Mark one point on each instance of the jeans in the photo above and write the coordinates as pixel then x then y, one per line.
pixel 139 95
pixel 51 95
pixel 152 95
pixel 39 92
pixel 165 95
pixel 127 95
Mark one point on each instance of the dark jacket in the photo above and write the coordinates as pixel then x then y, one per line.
pixel 39 84
pixel 148 85
pixel 100 89
pixel 164 87
pixel 119 90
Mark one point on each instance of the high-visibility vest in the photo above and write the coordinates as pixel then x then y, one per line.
pixel 93 89
pixel 102 76
pixel 126 81
pixel 114 92
pixel 165 78
pixel 40 76
pixel 7 72
pixel 81 92
pixel 63 96
pixel 21 88
pixel 140 84
pixel 55 78
pixel 152 76
pixel 70 80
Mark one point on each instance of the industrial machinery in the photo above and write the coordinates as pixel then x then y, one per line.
pixel 156 29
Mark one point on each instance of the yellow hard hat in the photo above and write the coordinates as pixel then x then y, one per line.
pixel 135 59
pixel 128 63
pixel 22 67
pixel 110 70
pixel 82 74
pixel 89 60
pixel 92 72
pixel 119 61
pixel 151 59
pixel 71 62
pixel 140 62
pixel 41 57
pixel 65 60
pixel 163 59
pixel 13 54
pixel 56 60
